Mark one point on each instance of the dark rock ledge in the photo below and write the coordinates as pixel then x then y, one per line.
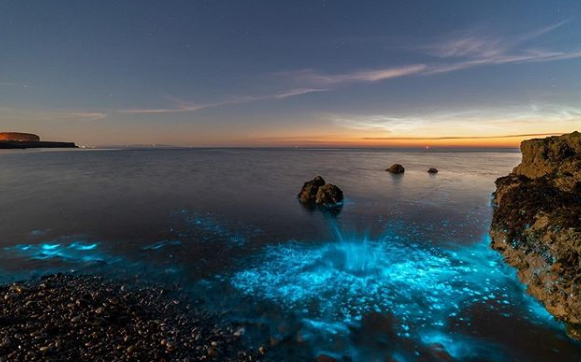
pixel 537 224
pixel 85 318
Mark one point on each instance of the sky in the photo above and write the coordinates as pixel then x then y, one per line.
pixel 291 73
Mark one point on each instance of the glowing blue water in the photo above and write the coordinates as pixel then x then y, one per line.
pixel 72 251
pixel 422 289
pixel 161 244
pixel 203 228
pixel 429 291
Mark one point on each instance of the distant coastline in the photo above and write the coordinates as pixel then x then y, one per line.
pixel 17 140
pixel 307 148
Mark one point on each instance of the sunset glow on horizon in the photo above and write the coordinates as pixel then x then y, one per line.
pixel 291 74
pixel 510 141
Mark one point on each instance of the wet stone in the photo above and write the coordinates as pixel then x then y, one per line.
pixel 86 318
pixel 396 169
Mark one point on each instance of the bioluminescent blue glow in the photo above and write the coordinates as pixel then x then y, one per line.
pixel 78 251
pixel 37 232
pixel 427 290
pixel 161 244
pixel 425 287
pixel 209 228
pixel 460 347
pixel 64 255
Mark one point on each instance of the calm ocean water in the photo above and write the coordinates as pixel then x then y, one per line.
pixel 401 272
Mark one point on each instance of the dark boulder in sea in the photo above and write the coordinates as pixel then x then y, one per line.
pixel 396 169
pixel 537 224
pixel 309 190
pixel 317 191
pixel 433 170
pixel 329 195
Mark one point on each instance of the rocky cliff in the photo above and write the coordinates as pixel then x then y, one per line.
pixel 19 137
pixel 16 140
pixel 537 224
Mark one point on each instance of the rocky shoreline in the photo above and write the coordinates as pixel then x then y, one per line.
pixel 86 318
pixel 537 224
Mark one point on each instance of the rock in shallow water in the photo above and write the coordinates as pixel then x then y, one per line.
pixel 537 224
pixel 318 192
pixel 309 190
pixel 329 195
pixel 396 169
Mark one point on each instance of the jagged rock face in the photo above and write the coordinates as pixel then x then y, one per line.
pixel 309 190
pixel 329 195
pixel 537 224
pixel 319 192
pixel 559 158
pixel 15 136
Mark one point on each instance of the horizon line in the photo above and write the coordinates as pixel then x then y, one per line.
pixel 168 146
pixel 462 137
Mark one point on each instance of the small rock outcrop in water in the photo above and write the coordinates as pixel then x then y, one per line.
pixel 396 169
pixel 329 195
pixel 319 192
pixel 433 170
pixel 537 224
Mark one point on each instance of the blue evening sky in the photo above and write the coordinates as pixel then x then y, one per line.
pixel 303 72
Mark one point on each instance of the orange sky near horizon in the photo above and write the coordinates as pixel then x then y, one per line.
pixel 395 142
pixel 483 132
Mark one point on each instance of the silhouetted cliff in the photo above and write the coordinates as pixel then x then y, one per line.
pixel 16 140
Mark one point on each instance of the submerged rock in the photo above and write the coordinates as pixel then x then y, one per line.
pixel 396 169
pixel 537 224
pixel 318 192
pixel 433 170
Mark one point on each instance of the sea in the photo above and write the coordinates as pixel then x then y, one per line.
pixel 401 271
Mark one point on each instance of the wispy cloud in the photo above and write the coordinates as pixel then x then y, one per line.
pixel 532 118
pixel 15 85
pixel 471 49
pixel 11 114
pixel 180 106
pixel 87 116
pixel 476 48
pixel 527 56
pixel 477 44
pixel 383 123
pixel 310 76
pixel 293 93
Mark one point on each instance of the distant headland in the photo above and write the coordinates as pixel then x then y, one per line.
pixel 17 140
